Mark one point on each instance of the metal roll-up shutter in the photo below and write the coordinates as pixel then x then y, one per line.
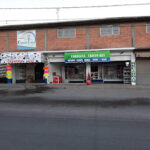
pixel 143 71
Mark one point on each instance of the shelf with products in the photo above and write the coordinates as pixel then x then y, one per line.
pixel 94 75
pixel 3 70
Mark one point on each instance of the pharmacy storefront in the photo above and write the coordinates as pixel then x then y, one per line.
pixel 26 67
pixel 103 67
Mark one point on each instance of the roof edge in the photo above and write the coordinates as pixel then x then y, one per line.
pixel 77 23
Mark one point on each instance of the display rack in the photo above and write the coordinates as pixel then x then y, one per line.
pixel 2 71
pixel 127 75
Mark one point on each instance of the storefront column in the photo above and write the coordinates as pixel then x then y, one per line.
pixel 88 69
pixel 50 78
pixel 133 69
pixel 13 73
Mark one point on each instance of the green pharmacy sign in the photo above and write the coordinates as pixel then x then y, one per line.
pixel 99 56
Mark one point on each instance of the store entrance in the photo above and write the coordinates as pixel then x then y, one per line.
pixel 39 73
pixel 20 73
pixel 107 72
pixel 96 73
pixel 29 73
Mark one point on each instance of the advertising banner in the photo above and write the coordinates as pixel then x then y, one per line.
pixel 99 56
pixel 21 57
pixel 26 40
pixel 133 73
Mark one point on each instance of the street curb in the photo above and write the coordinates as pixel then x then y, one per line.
pixel 65 86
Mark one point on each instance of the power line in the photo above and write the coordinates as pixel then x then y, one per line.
pixel 79 7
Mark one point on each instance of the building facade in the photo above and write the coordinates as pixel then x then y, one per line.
pixel 112 50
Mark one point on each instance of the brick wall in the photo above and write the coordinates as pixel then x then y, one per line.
pixel 79 42
pixel 2 41
pixel 124 39
pixel 142 39
pixel 111 41
pixel 12 41
pixel 40 41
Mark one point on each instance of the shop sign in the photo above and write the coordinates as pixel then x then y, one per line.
pixel 23 57
pixel 26 39
pixel 133 72
pixel 100 56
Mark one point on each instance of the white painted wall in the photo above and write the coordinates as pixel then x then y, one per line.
pixel 88 69
pixel 13 74
pixel 55 67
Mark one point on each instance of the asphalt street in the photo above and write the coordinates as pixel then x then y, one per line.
pixel 29 133
pixel 71 118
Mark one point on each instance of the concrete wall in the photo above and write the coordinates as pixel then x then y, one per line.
pixel 57 68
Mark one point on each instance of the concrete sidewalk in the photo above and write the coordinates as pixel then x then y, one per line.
pixel 75 92
pixel 72 85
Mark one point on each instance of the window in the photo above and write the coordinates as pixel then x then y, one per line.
pixel 66 33
pixel 148 28
pixel 109 30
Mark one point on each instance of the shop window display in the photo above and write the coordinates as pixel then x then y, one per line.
pixel 75 72
pixel 113 72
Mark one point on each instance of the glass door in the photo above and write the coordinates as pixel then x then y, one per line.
pixel 96 72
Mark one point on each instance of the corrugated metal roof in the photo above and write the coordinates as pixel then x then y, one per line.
pixel 77 23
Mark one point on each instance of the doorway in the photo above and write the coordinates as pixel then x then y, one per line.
pixel 39 73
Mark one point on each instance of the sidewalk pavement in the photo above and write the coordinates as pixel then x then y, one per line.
pixel 76 92
pixel 72 85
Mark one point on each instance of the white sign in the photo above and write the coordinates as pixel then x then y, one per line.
pixel 21 57
pixel 26 40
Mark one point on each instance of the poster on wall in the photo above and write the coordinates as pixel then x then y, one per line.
pixel 21 57
pixel 26 40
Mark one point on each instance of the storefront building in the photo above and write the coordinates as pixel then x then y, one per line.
pixel 105 49
pixel 104 66
pixel 27 67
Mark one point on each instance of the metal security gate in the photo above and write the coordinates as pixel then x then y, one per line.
pixel 143 71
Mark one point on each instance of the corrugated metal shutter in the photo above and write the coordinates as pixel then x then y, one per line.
pixel 143 71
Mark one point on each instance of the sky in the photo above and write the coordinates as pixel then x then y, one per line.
pixel 17 16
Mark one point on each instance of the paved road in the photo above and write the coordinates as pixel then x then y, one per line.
pixel 29 133
pixel 37 119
